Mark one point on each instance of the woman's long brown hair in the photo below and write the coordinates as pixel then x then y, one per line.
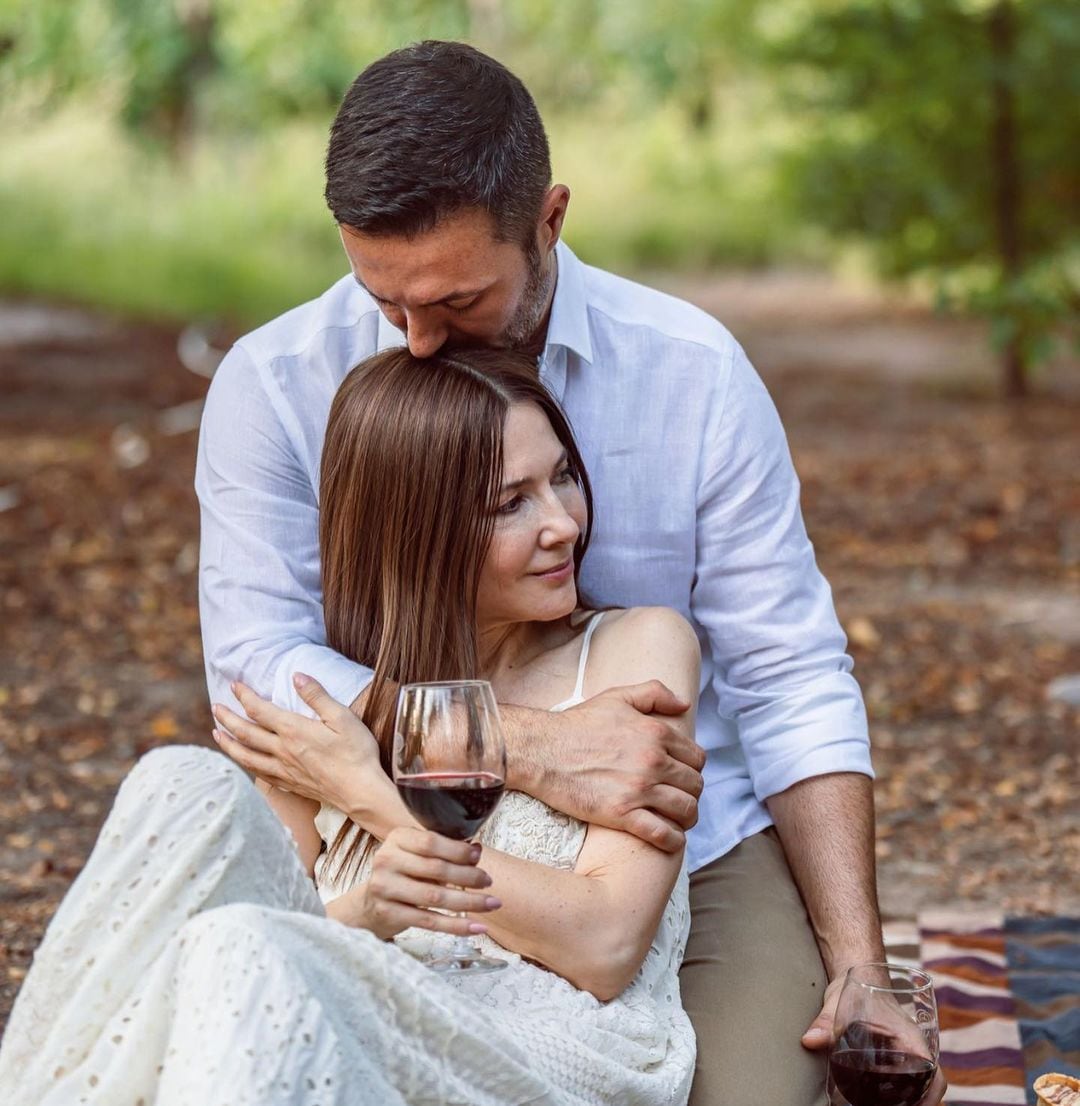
pixel 411 470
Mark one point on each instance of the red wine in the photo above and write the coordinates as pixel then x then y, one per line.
pixel 880 1077
pixel 455 804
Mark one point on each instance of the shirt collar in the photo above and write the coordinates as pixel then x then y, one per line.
pixel 568 323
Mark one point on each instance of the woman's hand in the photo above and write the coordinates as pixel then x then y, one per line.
pixel 314 757
pixel 410 874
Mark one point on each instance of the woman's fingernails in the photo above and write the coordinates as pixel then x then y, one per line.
pixel 477 927
pixel 300 681
pixel 234 687
pixel 492 903
pixel 216 736
pixel 474 854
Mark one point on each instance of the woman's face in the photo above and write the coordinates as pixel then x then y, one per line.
pixel 528 574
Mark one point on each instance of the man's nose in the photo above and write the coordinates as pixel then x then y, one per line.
pixel 424 336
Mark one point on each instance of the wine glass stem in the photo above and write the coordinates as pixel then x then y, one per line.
pixel 464 947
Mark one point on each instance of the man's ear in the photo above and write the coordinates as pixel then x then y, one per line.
pixel 552 214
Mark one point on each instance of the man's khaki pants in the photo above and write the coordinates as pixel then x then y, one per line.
pixel 752 981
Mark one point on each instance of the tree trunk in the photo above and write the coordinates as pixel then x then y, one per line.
pixel 1005 168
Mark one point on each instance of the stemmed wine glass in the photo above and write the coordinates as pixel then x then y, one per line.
pixel 449 765
pixel 885 1050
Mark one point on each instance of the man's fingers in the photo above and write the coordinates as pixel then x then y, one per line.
pixel 685 778
pixel 936 1092
pixel 686 751
pixel 819 1033
pixel 654 829
pixel 675 805
pixel 653 697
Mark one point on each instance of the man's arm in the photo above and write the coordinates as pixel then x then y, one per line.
pixel 827 826
pixel 259 588
pixel 781 669
pixel 606 762
pixel 621 759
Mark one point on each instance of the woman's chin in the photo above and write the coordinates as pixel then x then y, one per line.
pixel 555 606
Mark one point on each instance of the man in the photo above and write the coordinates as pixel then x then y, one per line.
pixel 438 176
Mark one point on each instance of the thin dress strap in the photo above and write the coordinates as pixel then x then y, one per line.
pixel 579 687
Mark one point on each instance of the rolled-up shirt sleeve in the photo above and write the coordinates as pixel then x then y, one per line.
pixel 260 598
pixel 781 670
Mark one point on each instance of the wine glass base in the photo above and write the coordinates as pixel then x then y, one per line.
pixel 466 965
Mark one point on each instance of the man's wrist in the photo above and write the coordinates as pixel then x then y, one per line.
pixel 527 732
pixel 837 964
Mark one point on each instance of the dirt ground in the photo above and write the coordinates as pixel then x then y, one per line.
pixel 948 524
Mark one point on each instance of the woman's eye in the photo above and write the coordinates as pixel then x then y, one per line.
pixel 565 475
pixel 510 506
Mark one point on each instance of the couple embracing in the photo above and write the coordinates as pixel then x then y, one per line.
pixel 476 457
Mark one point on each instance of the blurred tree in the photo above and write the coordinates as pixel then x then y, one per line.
pixel 148 58
pixel 946 136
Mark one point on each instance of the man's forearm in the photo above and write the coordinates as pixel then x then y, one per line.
pixel 826 825
pixel 527 733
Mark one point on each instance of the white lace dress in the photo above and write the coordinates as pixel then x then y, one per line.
pixel 192 964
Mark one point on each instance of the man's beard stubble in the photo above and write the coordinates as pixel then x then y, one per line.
pixel 525 332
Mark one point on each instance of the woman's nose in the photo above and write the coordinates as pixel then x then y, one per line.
pixel 560 527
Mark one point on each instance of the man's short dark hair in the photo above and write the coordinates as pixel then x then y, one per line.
pixel 430 130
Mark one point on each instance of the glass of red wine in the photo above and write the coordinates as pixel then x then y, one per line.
pixel 885 1050
pixel 449 765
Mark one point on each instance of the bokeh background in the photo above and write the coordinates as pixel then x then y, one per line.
pixel 879 197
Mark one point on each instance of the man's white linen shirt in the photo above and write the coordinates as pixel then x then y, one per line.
pixel 696 508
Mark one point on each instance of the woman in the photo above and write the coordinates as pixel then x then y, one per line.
pixel 192 961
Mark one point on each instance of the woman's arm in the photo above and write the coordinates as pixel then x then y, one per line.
pixel 298 815
pixel 595 924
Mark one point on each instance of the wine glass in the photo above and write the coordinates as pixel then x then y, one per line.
pixel 885 1044
pixel 449 765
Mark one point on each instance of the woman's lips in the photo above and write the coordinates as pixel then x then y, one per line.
pixel 559 572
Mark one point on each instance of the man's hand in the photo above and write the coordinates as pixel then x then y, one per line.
pixel 313 757
pixel 612 762
pixel 821 1033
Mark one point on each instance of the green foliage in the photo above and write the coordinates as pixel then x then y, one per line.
pixel 665 143
pixel 712 132
pixel 241 231
pixel 905 101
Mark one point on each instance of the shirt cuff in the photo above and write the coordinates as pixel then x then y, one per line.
pixel 811 732
pixel 342 678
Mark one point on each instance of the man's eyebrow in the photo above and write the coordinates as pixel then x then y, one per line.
pixel 515 484
pixel 431 303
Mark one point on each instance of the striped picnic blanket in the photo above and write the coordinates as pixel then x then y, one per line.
pixel 1008 992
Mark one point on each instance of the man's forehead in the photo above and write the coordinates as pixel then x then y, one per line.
pixel 425 268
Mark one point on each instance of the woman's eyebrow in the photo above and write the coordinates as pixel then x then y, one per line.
pixel 513 485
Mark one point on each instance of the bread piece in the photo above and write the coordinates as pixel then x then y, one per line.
pixel 1058 1090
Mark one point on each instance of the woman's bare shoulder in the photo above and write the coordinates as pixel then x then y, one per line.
pixel 643 643
pixel 629 629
